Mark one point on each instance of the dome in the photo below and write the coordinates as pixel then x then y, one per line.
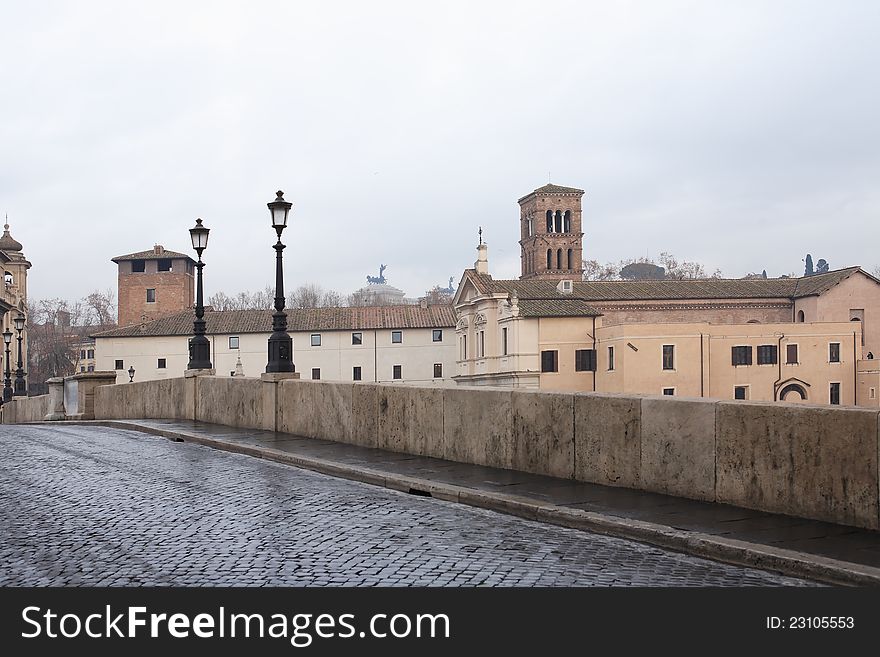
pixel 7 243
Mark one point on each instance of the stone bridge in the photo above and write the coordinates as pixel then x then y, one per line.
pixel 813 462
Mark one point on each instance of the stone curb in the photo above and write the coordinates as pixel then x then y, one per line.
pixel 741 553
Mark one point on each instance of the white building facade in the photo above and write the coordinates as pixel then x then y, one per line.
pixel 405 344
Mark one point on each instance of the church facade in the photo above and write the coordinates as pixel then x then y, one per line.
pixel 810 339
pixel 13 300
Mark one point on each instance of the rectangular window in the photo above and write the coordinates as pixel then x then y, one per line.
pixel 767 354
pixel 791 354
pixel 396 337
pixel 138 266
pixel 585 360
pixel 669 392
pixel 90 353
pixel 504 341
pixel 668 357
pixel 82 354
pixel 481 344
pixel 549 361
pixel 437 335
pixel 397 372
pixel 82 368
pixel 464 347
pixel 119 365
pixel 873 393
pixel 91 368
pixel 741 355
pixel 164 264
pixel 834 393
pixel 151 295
pixel 610 358
pixel 833 352
pixel 233 342
pixel 438 370
pixel 316 339
pixel 161 364
pixel 357 338
pixel 316 373
pixel 741 392
pixel 356 373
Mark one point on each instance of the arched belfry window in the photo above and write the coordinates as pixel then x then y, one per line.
pixel 566 223
pixel 549 258
pixel 800 316
pixel 558 258
pixel 569 259
pixel 549 221
pixel 558 221
pixel 8 277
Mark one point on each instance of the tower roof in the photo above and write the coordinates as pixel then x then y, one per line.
pixel 7 243
pixel 550 188
pixel 156 253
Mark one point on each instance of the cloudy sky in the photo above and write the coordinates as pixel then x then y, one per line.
pixel 739 134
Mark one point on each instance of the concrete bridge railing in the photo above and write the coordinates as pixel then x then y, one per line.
pixel 810 461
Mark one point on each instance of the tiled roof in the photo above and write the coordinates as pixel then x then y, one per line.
pixel 224 322
pixel 554 189
pixel 150 255
pixel 708 288
pixel 557 308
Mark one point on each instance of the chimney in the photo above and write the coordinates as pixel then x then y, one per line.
pixel 158 249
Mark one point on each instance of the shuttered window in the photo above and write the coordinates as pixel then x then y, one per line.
pixel 741 355
pixel 585 360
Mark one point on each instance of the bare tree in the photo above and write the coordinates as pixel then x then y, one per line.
pixel 259 300
pixel 311 295
pixel 594 271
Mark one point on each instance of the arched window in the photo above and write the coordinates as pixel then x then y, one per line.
pixel 856 319
pixel 753 321
pixel 558 258
pixel 569 259
pixel 549 221
pixel 549 258
pixel 559 221
pixel 870 356
pixel 8 277
pixel 566 224
pixel 800 316
pixel 792 389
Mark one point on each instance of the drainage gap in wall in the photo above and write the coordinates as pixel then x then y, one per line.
pixel 420 493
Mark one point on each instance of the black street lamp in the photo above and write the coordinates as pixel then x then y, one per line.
pixel 199 347
pixel 7 389
pixel 280 343
pixel 20 385
pixel 131 374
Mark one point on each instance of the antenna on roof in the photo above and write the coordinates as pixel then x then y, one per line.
pixel 481 234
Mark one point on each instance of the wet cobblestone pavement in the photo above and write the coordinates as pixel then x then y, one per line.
pixel 96 506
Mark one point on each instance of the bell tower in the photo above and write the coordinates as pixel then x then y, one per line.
pixel 551 236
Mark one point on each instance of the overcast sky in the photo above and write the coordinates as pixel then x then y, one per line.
pixel 739 134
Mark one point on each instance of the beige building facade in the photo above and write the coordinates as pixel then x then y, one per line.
pixel 406 344
pixel 13 300
pixel 807 339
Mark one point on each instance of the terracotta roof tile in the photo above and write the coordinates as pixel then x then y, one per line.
pixel 151 255
pixel 228 322
pixel 709 288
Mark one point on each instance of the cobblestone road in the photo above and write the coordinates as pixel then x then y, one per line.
pixel 96 506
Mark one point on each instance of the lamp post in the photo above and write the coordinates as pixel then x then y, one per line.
pixel 280 343
pixel 131 374
pixel 20 385
pixel 199 346
pixel 7 388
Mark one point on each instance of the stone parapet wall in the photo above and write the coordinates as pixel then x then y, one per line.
pixel 24 409
pixel 809 461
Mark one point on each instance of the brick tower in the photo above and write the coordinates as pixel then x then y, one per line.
pixel 550 222
pixel 154 284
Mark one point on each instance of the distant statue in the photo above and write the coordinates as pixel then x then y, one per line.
pixel 449 289
pixel 380 279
